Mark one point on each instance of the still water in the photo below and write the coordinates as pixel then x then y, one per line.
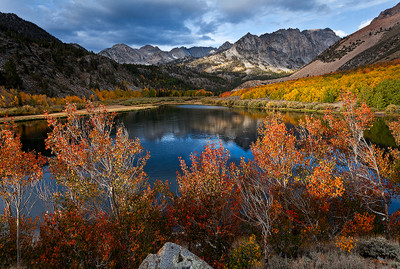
pixel 170 132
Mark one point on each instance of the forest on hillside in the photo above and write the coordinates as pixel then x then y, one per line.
pixel 378 85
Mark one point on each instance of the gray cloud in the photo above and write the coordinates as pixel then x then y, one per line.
pixel 97 24
pixel 132 22
pixel 241 10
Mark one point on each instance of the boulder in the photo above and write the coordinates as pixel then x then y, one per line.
pixel 173 256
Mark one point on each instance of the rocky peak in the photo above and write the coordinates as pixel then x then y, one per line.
pixel 227 45
pixel 149 49
pixel 149 54
pixel 198 52
pixel 121 46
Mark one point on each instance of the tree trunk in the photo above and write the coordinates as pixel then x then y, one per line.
pixel 266 251
pixel 113 202
pixel 387 222
pixel 18 240
pixel 18 220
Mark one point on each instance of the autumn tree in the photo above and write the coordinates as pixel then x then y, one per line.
pixel 206 210
pixel 19 172
pixel 94 164
pixel 269 175
pixel 370 169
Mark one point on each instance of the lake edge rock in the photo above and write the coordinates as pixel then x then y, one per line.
pixel 173 256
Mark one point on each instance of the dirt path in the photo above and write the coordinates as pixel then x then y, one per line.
pixel 111 108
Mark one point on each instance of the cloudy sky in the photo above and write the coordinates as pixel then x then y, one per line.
pixel 171 23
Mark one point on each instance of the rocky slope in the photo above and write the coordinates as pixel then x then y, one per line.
pixel 377 42
pixel 150 55
pixel 34 61
pixel 281 51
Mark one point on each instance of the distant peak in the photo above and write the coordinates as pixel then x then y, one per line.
pixel 226 43
pixel 319 30
pixel 119 45
pixel 148 47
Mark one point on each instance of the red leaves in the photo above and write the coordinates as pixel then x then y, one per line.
pixel 16 167
pixel 208 207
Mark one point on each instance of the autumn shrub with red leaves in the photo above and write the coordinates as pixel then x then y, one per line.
pixel 207 208
pixel 72 238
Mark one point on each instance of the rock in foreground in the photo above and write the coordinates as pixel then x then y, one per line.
pixel 173 256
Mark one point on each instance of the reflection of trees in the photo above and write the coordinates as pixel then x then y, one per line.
pixel 380 133
pixel 237 125
pixel 33 134
pixel 227 124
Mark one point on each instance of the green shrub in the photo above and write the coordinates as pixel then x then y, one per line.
pixel 322 106
pixel 256 104
pixel 296 105
pixel 383 94
pixel 379 248
pixel 273 105
pixel 392 109
pixel 247 254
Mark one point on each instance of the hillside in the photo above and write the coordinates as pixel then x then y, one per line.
pixel 34 61
pixel 379 41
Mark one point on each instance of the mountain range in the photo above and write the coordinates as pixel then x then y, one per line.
pixel 34 61
pixel 152 55
pixel 285 50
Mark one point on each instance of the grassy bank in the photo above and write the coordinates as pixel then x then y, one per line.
pixel 284 105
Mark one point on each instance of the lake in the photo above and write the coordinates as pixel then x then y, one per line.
pixel 170 132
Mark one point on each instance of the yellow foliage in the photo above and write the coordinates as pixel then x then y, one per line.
pixel 325 88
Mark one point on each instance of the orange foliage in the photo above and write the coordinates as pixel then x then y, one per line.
pixel 323 183
pixel 93 164
pixel 19 172
pixel 208 205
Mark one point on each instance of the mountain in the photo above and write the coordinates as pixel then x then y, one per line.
pixel 33 61
pixel 377 42
pixel 227 45
pixel 150 55
pixel 12 23
pixel 285 50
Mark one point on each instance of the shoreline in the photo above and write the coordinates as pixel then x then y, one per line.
pixel 262 104
pixel 215 101
pixel 110 108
